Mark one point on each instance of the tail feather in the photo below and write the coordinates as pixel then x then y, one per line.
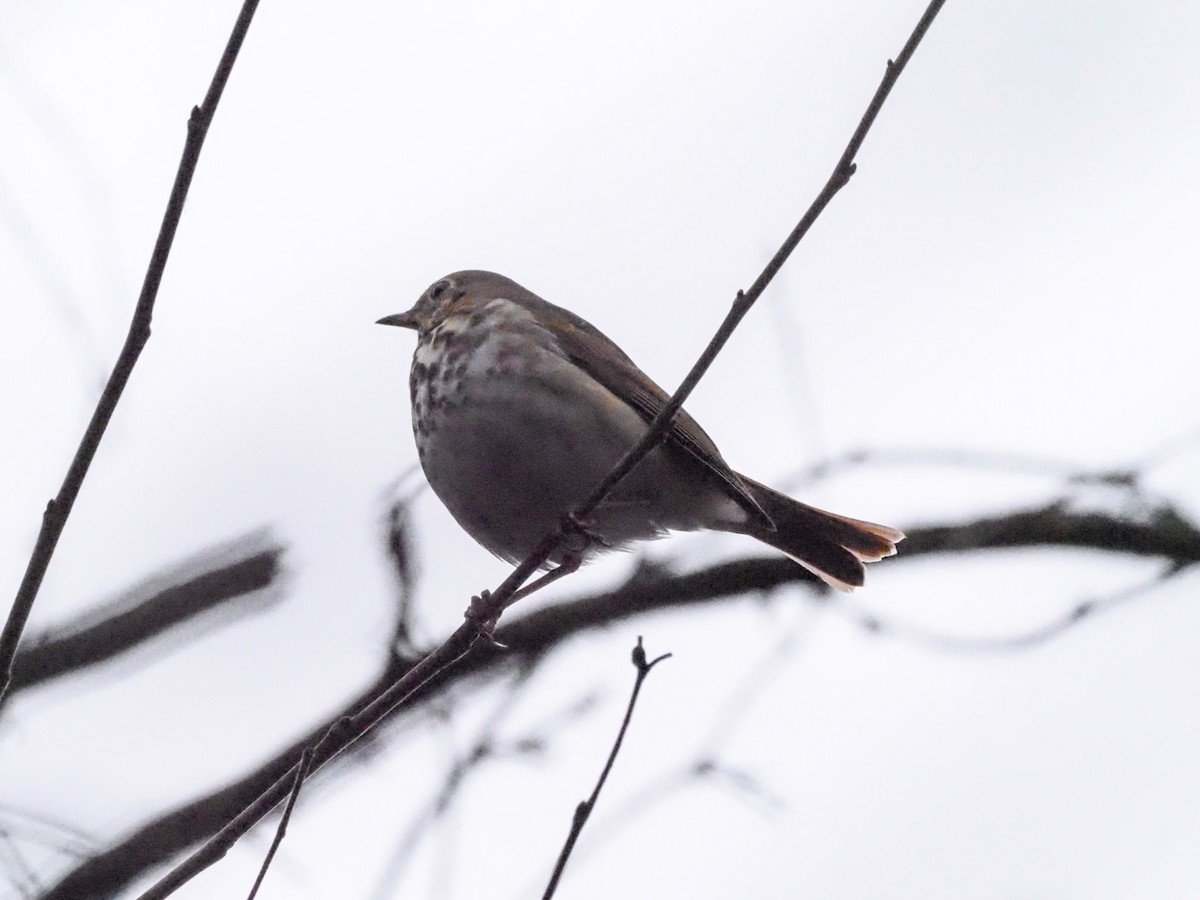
pixel 830 546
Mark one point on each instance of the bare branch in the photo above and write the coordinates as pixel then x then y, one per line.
pixel 1165 535
pixel 1162 532
pixel 301 774
pixel 584 810
pixel 58 509
pixel 1025 640
pixel 190 590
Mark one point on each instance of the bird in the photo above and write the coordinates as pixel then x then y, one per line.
pixel 521 407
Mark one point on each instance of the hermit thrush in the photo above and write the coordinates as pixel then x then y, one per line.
pixel 520 407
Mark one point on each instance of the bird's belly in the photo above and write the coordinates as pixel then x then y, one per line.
pixel 510 454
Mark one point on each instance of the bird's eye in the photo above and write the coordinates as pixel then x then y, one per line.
pixel 438 289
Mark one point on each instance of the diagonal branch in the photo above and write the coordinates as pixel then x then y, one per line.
pixel 655 434
pixel 54 519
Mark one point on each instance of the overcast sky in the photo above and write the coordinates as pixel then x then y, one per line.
pixel 1012 272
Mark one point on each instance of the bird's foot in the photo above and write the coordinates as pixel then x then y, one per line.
pixel 481 611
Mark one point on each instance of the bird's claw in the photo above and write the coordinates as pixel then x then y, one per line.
pixel 572 524
pixel 480 611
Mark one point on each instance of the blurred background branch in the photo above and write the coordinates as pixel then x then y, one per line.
pixel 231 580
pixel 1161 532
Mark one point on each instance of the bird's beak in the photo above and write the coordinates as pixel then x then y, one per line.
pixel 404 320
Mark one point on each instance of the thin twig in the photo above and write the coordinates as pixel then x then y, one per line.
pixel 945 459
pixel 48 831
pixel 399 550
pixel 58 509
pixel 484 747
pixel 301 774
pixel 458 644
pixel 705 764
pixel 20 874
pixel 584 810
pixel 976 645
pixel 338 737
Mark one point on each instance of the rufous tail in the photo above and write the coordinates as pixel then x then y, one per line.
pixel 830 546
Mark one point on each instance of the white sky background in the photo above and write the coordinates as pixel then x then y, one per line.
pixel 1012 271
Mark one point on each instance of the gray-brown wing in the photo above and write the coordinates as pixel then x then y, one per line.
pixel 605 361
